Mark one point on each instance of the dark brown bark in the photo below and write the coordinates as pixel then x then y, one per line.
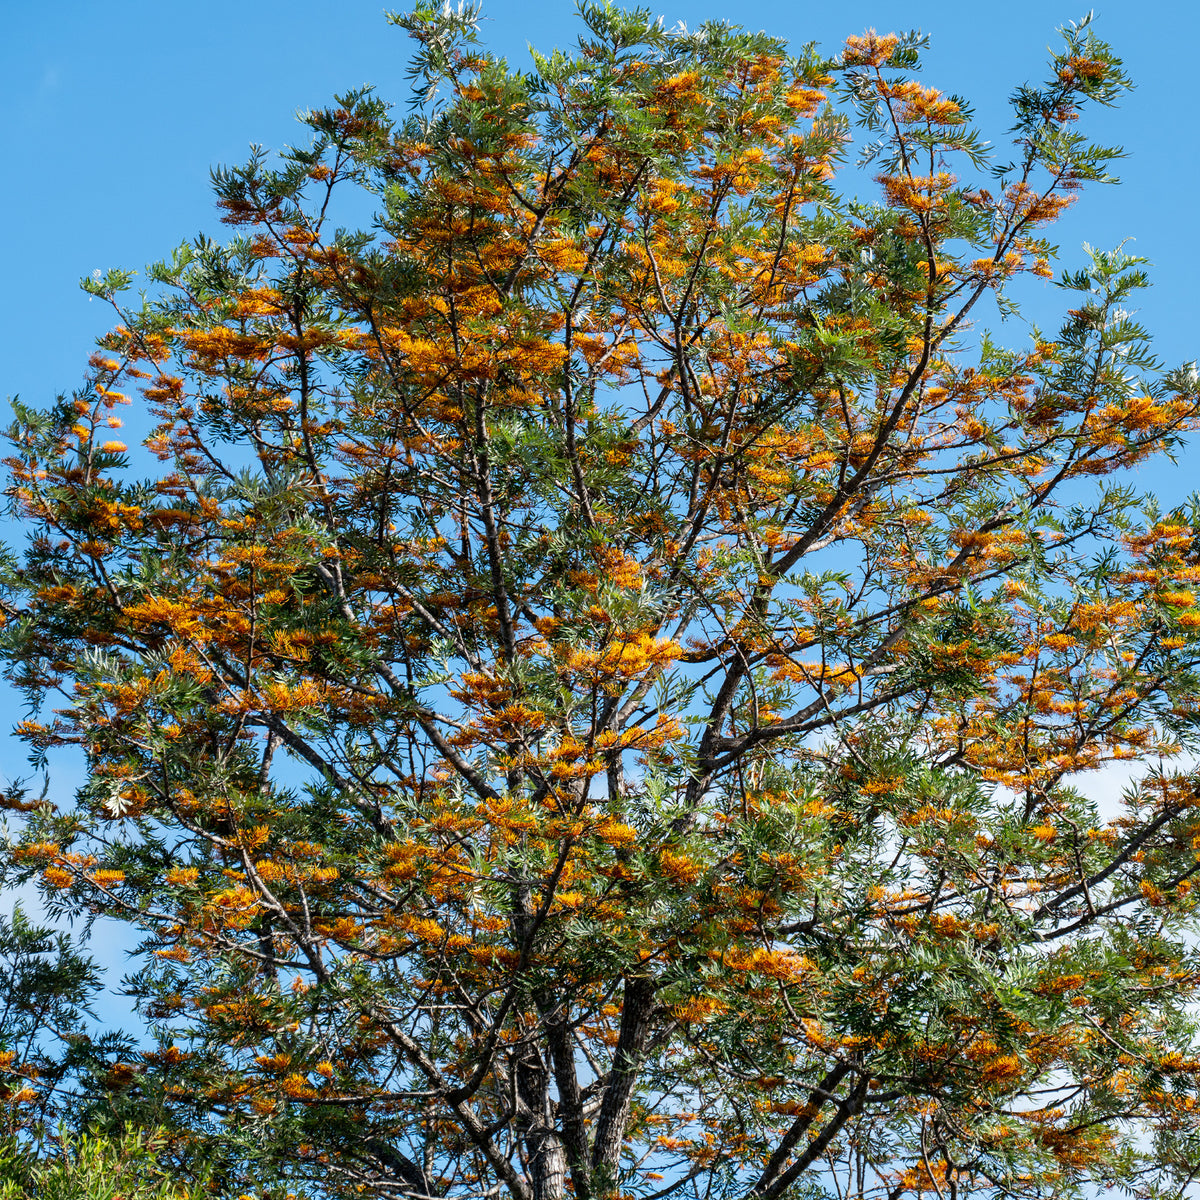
pixel 816 1101
pixel 618 1091
pixel 570 1110
pixel 851 1106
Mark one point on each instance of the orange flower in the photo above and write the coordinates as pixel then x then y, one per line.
pixel 58 877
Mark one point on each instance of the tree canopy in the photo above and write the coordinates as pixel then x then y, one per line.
pixel 592 684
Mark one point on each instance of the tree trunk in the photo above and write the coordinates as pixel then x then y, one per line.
pixel 544 1151
pixel 618 1092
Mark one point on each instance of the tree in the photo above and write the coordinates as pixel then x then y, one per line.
pixel 598 690
pixel 89 1168
pixel 50 1052
pixel 48 986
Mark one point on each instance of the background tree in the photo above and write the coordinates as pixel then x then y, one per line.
pixel 46 1022
pixel 51 1049
pixel 596 694
pixel 90 1168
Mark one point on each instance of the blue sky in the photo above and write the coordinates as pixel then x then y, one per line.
pixel 115 112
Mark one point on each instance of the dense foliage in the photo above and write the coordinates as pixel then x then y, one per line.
pixel 89 1168
pixel 597 690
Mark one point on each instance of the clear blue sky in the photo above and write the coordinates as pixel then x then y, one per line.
pixel 114 112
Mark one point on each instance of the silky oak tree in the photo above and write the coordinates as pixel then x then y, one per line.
pixel 601 689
